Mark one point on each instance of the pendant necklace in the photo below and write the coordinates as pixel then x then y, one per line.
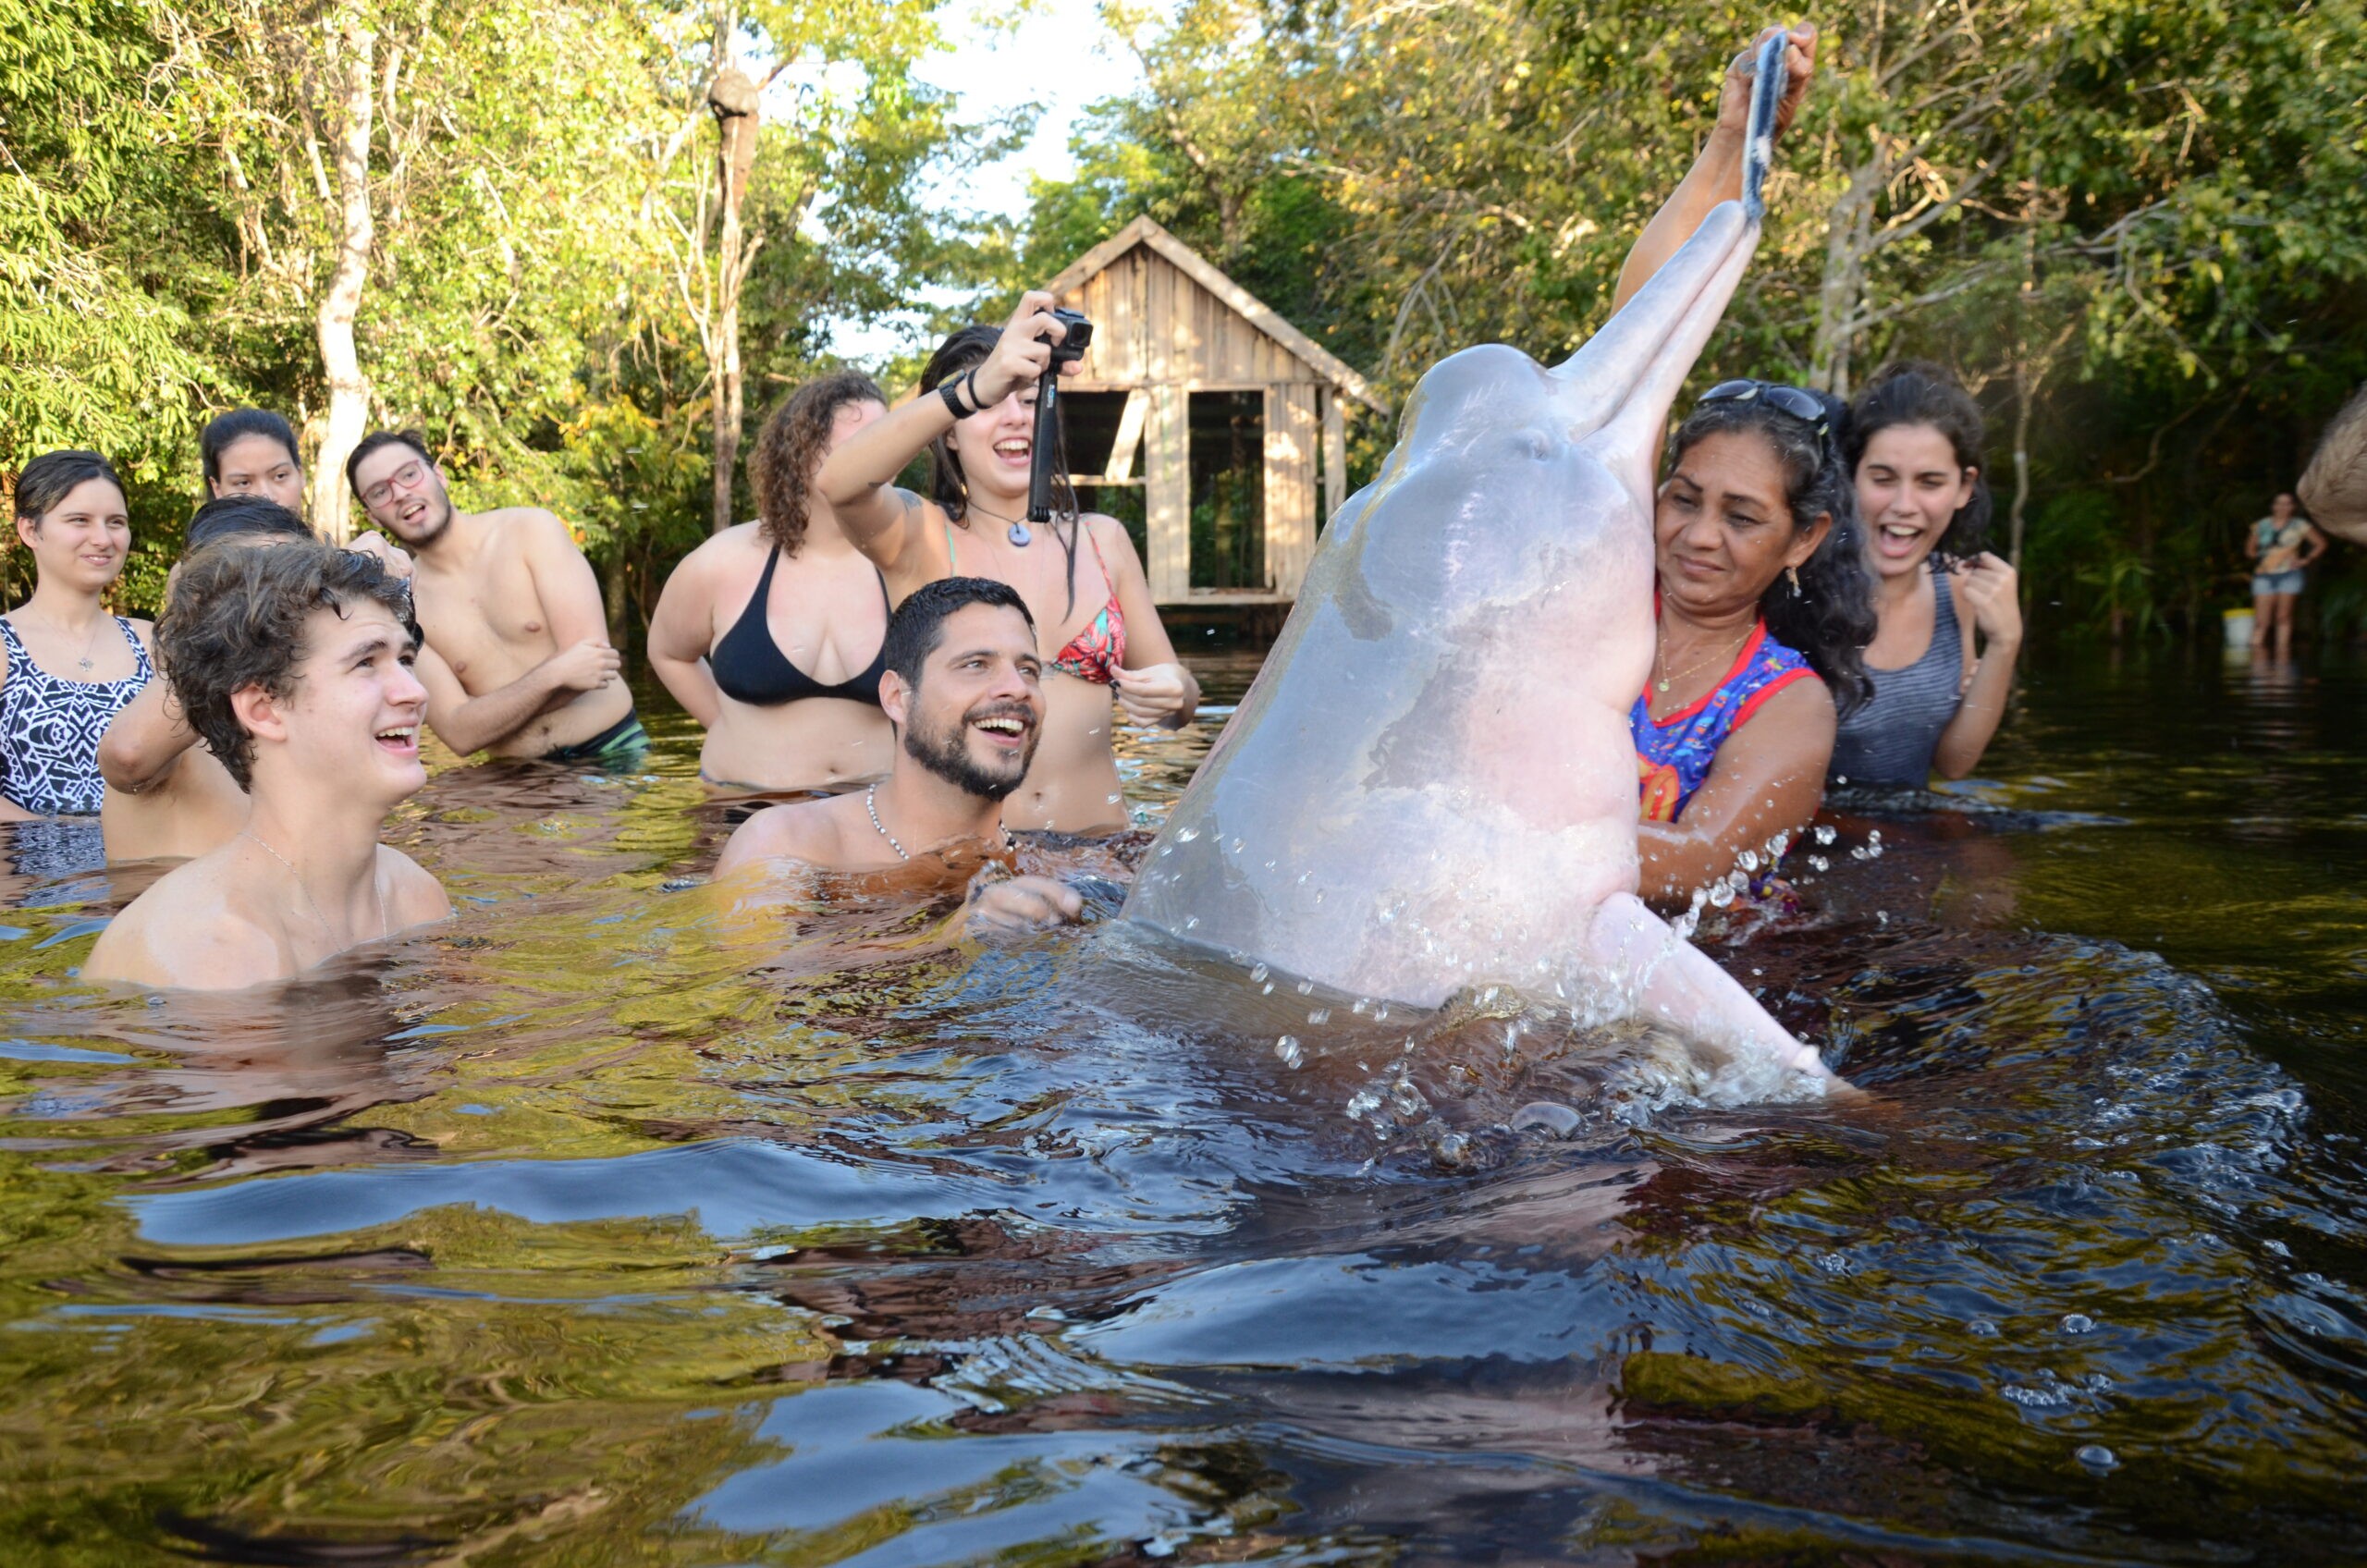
pixel 1663 684
pixel 386 926
pixel 1019 534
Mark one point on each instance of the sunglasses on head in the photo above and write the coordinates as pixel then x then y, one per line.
pixel 1792 401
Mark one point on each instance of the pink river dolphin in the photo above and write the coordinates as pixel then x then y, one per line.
pixel 1431 787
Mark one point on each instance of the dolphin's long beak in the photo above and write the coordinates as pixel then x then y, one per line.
pixel 1624 378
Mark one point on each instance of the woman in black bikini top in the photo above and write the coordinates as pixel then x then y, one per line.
pixel 786 684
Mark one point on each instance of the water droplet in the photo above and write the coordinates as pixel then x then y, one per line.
pixel 1307 988
pixel 1982 1327
pixel 1722 894
pixel 1287 1047
pixel 1748 860
pixel 1191 923
pixel 2078 1323
pixel 1392 904
pixel 1319 1015
pixel 1259 972
pixel 1111 799
pixel 1545 1116
pixel 2095 1456
pixel 2279 1248
pixel 1360 1006
pixel 1236 846
pixel 1267 989
pixel 1185 835
pixel 1882 917
pixel 1824 835
pixel 1381 1013
pixel 1818 862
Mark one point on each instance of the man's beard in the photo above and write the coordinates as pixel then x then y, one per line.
pixel 417 541
pixel 946 754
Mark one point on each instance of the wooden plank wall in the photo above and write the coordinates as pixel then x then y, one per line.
pixel 1167 485
pixel 1335 457
pixel 1159 333
pixel 1290 484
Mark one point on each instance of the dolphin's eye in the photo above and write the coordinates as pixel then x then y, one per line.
pixel 1534 444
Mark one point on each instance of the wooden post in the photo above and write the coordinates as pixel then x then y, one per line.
pixel 1167 480
pixel 1290 485
pixel 1335 457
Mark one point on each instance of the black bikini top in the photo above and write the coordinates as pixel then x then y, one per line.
pixel 748 667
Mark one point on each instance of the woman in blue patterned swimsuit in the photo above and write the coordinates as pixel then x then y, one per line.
pixel 1764 617
pixel 67 667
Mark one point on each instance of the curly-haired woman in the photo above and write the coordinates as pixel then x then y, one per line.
pixel 770 633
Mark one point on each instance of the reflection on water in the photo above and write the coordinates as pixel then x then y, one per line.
pixel 595 1230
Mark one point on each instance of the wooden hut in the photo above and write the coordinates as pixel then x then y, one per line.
pixel 1166 325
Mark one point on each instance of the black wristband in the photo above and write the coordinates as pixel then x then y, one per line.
pixel 952 399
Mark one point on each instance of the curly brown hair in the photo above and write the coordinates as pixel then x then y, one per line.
pixel 790 445
pixel 236 619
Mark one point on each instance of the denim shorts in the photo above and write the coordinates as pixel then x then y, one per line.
pixel 2269 582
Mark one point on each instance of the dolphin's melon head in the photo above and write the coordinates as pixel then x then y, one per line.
pixel 1492 491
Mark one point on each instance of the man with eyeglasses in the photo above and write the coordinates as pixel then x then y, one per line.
pixel 522 665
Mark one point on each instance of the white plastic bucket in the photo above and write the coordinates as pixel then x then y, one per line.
pixel 2238 624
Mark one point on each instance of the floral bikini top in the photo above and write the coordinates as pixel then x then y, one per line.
pixel 1098 652
pixel 1674 754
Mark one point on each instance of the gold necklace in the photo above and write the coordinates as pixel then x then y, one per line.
pixel 386 926
pixel 1665 681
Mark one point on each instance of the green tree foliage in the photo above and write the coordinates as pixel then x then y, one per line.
pixel 2140 236
pixel 174 216
pixel 94 287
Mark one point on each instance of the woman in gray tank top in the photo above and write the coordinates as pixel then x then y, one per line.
pixel 1915 446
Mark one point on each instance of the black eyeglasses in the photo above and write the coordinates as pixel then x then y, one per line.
pixel 1792 401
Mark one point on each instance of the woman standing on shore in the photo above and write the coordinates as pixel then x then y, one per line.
pixel 67 667
pixel 1079 574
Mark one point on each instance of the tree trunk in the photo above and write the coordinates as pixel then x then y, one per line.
pixel 1847 234
pixel 733 98
pixel 2025 389
pixel 349 411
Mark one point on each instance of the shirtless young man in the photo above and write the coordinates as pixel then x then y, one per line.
pixel 168 797
pixel 964 692
pixel 523 665
pixel 294 665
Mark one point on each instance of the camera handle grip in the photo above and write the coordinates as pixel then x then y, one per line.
pixel 1043 448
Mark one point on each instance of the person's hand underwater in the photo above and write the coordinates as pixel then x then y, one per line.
pixel 1022 904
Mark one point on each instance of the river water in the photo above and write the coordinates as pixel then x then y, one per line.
pixel 599 1229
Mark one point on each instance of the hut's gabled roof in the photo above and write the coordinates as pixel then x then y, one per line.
pixel 1143 231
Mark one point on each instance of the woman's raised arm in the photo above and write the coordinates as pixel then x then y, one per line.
pixel 1716 175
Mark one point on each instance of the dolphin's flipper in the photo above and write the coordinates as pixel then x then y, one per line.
pixel 1675 983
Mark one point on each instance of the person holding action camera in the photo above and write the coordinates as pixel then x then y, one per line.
pixel 1104 648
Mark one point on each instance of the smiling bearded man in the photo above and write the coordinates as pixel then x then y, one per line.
pixel 964 692
pixel 294 665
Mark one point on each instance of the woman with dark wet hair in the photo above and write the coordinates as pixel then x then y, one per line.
pixel 1914 450
pixel 769 633
pixel 1105 650
pixel 1764 615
